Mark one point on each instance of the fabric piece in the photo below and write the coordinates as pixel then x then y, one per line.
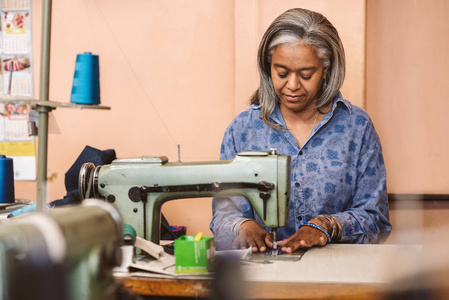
pixel 89 154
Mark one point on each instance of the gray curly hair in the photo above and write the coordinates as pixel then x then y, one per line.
pixel 293 26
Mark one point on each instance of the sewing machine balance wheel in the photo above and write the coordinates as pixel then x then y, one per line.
pixel 85 181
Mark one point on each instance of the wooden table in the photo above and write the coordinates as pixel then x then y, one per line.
pixel 331 272
pixel 203 288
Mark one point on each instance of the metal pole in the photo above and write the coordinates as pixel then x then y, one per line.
pixel 43 110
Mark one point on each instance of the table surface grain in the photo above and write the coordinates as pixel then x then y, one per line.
pixel 337 271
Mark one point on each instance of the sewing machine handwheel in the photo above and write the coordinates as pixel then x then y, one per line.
pixel 85 188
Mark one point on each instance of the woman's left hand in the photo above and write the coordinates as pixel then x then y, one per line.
pixel 305 237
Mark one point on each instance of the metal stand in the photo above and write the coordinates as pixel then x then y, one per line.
pixel 42 150
pixel 43 107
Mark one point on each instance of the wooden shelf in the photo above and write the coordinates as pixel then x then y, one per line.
pixel 43 108
pixel 51 104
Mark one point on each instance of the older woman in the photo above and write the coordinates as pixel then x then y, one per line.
pixel 338 179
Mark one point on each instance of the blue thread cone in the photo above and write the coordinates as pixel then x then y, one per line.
pixel 6 180
pixel 86 80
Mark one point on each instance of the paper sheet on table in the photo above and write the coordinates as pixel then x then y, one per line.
pixel 164 266
pixel 149 247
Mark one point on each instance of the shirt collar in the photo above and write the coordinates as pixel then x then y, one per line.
pixel 339 99
pixel 276 117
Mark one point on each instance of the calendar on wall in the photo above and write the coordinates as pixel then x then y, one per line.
pixel 16 79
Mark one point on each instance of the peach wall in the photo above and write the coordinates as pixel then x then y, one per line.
pixel 407 63
pixel 173 72
pixel 254 16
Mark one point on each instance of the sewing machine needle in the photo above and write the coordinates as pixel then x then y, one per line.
pixel 275 243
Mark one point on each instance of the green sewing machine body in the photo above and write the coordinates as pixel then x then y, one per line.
pixel 66 253
pixel 138 187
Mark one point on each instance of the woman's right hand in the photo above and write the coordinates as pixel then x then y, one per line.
pixel 251 234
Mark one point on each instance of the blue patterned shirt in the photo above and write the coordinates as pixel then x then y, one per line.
pixel 339 170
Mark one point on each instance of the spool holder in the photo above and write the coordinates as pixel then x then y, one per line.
pixel 45 107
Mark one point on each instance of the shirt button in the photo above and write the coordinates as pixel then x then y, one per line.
pixel 299 218
pixel 297 184
pixel 300 152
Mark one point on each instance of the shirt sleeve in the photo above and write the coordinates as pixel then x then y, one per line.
pixel 367 218
pixel 228 212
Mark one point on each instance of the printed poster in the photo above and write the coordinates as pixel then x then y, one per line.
pixel 16 79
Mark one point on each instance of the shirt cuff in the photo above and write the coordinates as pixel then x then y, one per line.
pixel 235 228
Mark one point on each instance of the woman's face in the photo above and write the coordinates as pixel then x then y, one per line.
pixel 297 73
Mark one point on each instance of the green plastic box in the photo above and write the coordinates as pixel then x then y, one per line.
pixel 194 256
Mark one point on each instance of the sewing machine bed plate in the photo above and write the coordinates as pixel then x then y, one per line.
pixel 282 256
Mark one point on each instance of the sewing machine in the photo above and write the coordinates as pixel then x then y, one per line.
pixel 68 253
pixel 139 186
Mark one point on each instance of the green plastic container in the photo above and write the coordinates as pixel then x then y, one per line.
pixel 194 257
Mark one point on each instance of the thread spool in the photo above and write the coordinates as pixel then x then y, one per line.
pixel 86 80
pixel 6 180
pixel 129 235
